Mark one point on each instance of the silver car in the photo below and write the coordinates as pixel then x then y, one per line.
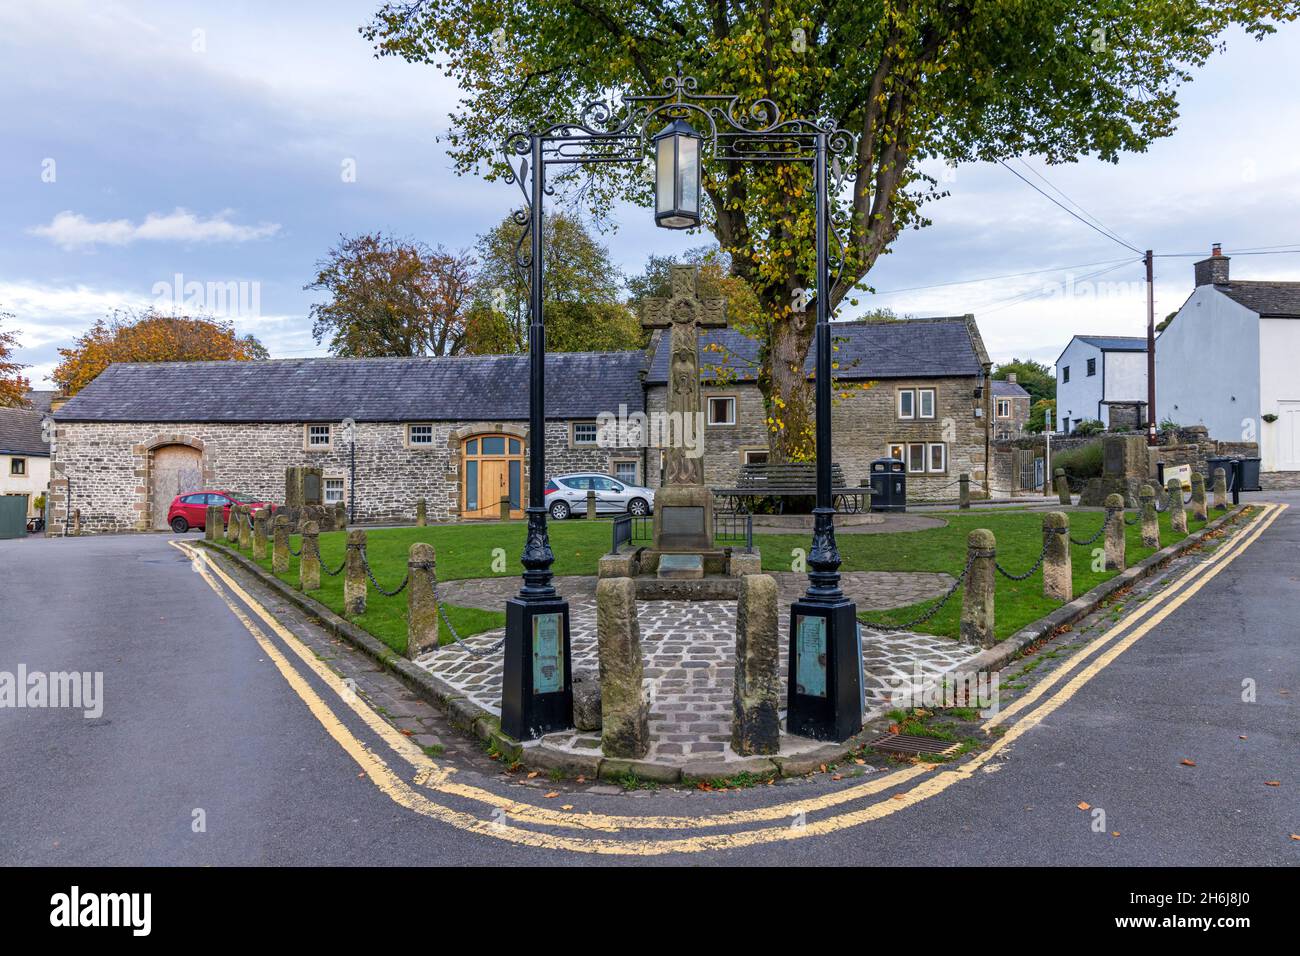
pixel 567 495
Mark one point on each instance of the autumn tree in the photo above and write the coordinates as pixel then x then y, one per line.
pixel 584 311
pixel 150 337
pixel 391 297
pixel 912 80
pixel 13 385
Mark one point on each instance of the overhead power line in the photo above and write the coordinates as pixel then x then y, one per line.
pixel 1091 225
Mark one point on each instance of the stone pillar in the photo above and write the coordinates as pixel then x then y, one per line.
pixel 1220 490
pixel 421 603
pixel 625 717
pixel 591 503
pixel 245 532
pixel 756 698
pixel 977 599
pixel 1062 487
pixel 76 521
pixel 963 490
pixel 232 524
pixel 354 576
pixel 211 519
pixel 1200 510
pixel 1058 567
pixel 340 516
pixel 309 563
pixel 280 544
pixel 1114 536
pixel 259 534
pixel 504 506
pixel 421 513
pixel 1177 515
pixel 1150 518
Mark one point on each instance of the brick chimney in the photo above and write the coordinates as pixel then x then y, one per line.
pixel 1011 377
pixel 1214 270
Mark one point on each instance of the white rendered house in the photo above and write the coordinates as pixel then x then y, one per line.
pixel 1102 377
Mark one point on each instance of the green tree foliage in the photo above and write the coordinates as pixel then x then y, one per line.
pixel 1040 413
pixel 391 297
pixel 583 310
pixel 913 79
pixel 1034 377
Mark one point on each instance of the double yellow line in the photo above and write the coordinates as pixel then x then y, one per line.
pixel 507 818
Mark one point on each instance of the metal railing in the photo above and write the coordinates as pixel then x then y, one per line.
pixel 734 526
pixel 628 528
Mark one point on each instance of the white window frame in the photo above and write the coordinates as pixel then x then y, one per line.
pixel 898 451
pixel 595 435
pixel 730 403
pixel 1004 403
pixel 898 404
pixel 925 457
pixel 929 458
pixel 307 442
pixel 410 435
pixel 920 403
pixel 324 489
pixel 636 471
pixel 746 452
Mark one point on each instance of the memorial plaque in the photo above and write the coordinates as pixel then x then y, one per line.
pixel 311 488
pixel 548 654
pixel 810 651
pixel 683 520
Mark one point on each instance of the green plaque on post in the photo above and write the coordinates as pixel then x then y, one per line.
pixel 810 650
pixel 548 654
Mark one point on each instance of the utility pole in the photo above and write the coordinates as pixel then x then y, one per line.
pixel 1151 351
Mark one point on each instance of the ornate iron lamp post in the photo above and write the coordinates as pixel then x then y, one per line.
pixel 825 696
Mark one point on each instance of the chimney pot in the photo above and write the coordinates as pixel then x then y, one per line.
pixel 1216 249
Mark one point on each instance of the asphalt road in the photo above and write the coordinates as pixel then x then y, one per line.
pixel 198 717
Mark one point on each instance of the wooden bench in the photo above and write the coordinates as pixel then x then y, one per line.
pixel 792 480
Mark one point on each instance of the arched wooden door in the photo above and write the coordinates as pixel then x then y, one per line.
pixel 493 466
pixel 174 470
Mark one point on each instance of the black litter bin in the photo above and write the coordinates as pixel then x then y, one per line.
pixel 1248 474
pixel 1229 466
pixel 888 485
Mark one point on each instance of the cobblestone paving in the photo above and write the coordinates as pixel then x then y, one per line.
pixel 689 651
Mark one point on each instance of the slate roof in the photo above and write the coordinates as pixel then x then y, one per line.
pixel 1116 343
pixel 1267 299
pixel 40 399
pixel 908 348
pixel 1005 389
pixel 20 433
pixel 461 388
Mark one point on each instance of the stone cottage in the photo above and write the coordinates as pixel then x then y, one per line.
pixel 1011 405
pixel 385 431
pixel 927 403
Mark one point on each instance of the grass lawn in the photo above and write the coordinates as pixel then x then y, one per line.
pixel 470 550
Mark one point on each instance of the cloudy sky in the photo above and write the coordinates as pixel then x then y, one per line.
pixel 150 145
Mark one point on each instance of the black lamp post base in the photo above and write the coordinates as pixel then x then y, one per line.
pixel 537 683
pixel 825 677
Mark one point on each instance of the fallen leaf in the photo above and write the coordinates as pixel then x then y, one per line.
pixel 837 776
pixel 409 733
pixel 582 780
pixel 532 774
pixel 1272 783
pixel 1241 737
pixel 823 768
pixel 553 793
pixel 859 761
pixel 1114 833
pixel 1295 836
pixel 566 806
pixel 1084 806
pixel 900 796
pixel 1188 763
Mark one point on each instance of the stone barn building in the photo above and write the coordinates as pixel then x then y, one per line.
pixel 385 431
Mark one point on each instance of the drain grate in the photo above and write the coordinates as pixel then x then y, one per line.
pixel 911 744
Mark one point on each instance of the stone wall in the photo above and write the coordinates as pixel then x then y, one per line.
pixel 864 424
pixel 107 465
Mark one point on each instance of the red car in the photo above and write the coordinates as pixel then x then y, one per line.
pixel 191 511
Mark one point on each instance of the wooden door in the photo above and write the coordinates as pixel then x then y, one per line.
pixel 492 486
pixel 176 470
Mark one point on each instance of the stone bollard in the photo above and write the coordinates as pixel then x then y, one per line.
pixel 963 490
pixel 1150 518
pixel 1220 490
pixel 591 503
pixel 280 544
pixel 977 601
pixel 504 509
pixel 340 516
pixel 259 534
pixel 1062 487
pixel 756 697
pixel 421 513
pixel 1115 539
pixel 421 600
pixel 1200 510
pixel 232 524
pixel 245 532
pixel 76 521
pixel 624 714
pixel 354 575
pixel 1058 567
pixel 1177 514
pixel 211 518
pixel 309 563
